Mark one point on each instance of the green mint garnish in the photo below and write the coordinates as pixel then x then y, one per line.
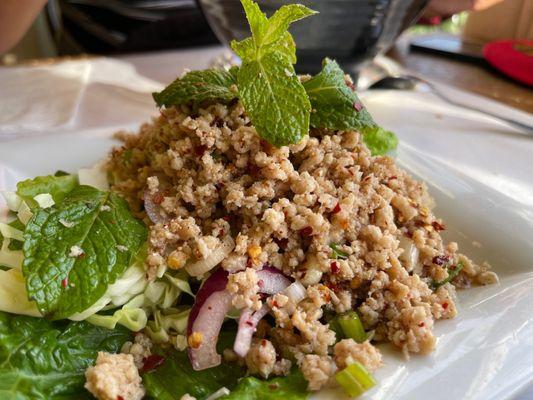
pixel 337 253
pixel 269 88
pixel 334 105
pixel 452 274
pixel 75 249
pixel 380 141
pixel 197 87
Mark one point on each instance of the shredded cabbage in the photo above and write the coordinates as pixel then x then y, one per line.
pixel 44 200
pixel 10 232
pixel 95 176
pixel 171 320
pixel 12 199
pixel 134 319
pixel 24 213
pixel 10 258
pixel 13 295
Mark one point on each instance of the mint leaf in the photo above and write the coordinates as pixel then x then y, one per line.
pixel 274 99
pixel 197 87
pixel 334 105
pixel 290 387
pixel 379 141
pixel 278 24
pixel 176 377
pixel 97 223
pixel 269 89
pixel 56 185
pixel 43 360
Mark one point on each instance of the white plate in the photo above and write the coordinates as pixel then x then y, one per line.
pixel 481 180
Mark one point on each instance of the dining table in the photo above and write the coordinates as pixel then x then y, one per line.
pixel 48 97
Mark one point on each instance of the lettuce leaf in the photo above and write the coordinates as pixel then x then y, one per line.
pixel 290 387
pixel 176 377
pixel 73 251
pixel 57 186
pixel 379 141
pixel 43 360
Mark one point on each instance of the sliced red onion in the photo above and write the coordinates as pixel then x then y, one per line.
pixel 153 210
pixel 212 304
pixel 247 326
pixel 214 258
pixel 272 280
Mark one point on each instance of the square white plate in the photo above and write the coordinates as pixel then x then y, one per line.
pixel 482 181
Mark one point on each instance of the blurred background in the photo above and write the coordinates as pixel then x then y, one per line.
pixel 421 35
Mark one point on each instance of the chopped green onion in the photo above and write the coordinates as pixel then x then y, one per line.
pixel 355 379
pixel 336 253
pixel 452 274
pixel 352 327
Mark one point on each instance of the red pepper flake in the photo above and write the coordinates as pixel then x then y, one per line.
pixel 275 303
pixel 158 198
pixel 226 218
pixel 440 260
pixel 333 286
pixel 409 234
pixel 391 178
pixel 282 243
pixel 336 209
pixel 438 226
pixel 273 386
pixel 221 232
pixel 253 169
pixel 152 362
pixel 249 263
pixel 119 397
pixel 307 231
pixel 357 106
pixel 249 323
pixel 334 267
pixel 421 324
pixel 445 305
pixel 64 283
pixel 219 185
pixel 200 150
pixel 263 342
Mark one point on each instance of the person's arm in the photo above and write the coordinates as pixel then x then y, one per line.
pixel 16 16
pixel 446 8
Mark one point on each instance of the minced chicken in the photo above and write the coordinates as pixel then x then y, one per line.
pixel 209 176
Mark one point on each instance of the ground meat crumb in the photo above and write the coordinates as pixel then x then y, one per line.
pixel 139 349
pixel 347 351
pixel 114 376
pixel 261 358
pixel 317 370
pixel 244 286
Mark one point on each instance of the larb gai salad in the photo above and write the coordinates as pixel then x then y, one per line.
pixel 251 242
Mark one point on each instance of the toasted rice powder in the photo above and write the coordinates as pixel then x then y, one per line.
pixel 212 176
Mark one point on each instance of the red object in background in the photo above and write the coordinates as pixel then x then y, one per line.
pixel 512 57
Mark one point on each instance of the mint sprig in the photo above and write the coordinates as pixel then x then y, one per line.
pixel 269 88
pixel 197 87
pixel 335 105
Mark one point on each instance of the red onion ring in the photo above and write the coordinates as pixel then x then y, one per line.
pixel 152 209
pixel 212 304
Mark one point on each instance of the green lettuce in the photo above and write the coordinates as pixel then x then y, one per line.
pixel 57 186
pixel 43 360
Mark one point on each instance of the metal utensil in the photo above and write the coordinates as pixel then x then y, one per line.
pixel 409 82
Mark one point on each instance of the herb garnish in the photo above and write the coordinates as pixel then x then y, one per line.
pixel 453 271
pixel 337 253
pixel 68 267
pixel 280 106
